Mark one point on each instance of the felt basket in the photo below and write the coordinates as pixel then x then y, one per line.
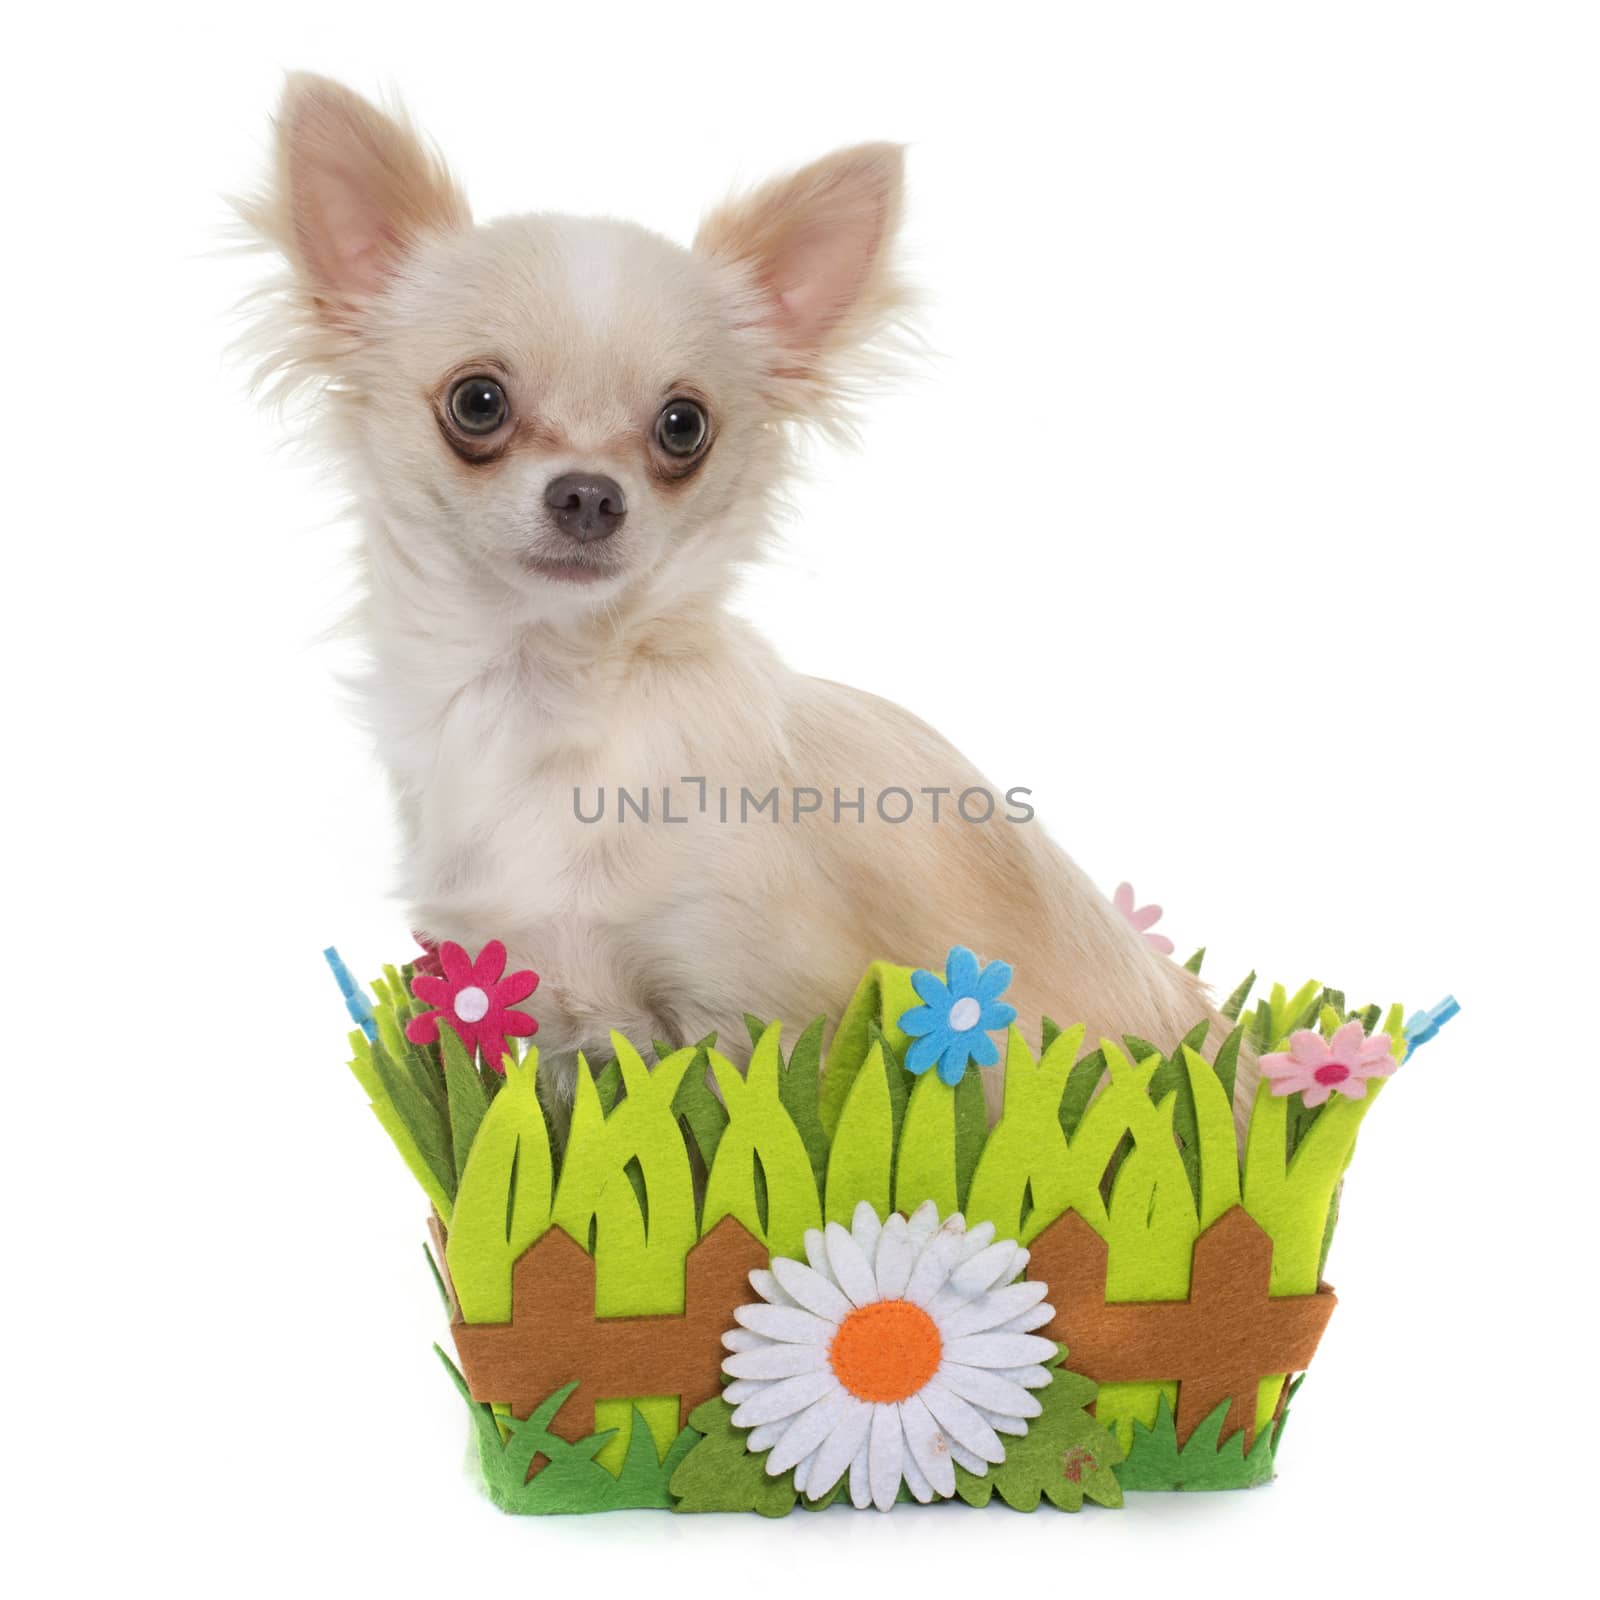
pixel 658 1299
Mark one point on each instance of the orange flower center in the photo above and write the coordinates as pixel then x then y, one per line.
pixel 886 1351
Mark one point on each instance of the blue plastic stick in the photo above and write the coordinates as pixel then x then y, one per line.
pixel 1422 1025
pixel 355 1002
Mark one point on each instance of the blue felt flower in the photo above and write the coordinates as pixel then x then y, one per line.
pixel 952 1025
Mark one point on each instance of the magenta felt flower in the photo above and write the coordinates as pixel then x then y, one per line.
pixel 475 998
pixel 1316 1066
pixel 1142 920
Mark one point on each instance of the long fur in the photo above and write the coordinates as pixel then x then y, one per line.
pixel 495 692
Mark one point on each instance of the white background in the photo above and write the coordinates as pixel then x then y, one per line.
pixel 1246 515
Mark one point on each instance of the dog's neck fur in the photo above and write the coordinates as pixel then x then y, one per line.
pixel 452 656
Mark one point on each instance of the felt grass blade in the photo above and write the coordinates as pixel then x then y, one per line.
pixel 925 1168
pixel 1082 1082
pixel 761 1138
pixel 1395 1026
pixel 427 1125
pixel 1281 1014
pixel 800 1088
pixel 484 1423
pixel 1216 1145
pixel 1026 1154
pixel 1157 1461
pixel 883 996
pixel 438 1279
pixel 1226 1066
pixel 1234 1004
pixel 899 1080
pixel 704 1113
pixel 415 1060
pixel 503 1204
pixel 861 1160
pixel 466 1098
pixel 608 1085
pixel 638 1262
pixel 1151 1220
pixel 1291 1199
pixel 363 1064
pixel 571 1480
pixel 1171 1078
pixel 972 1132
pixel 399 987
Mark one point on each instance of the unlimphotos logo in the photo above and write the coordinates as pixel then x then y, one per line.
pixel 692 798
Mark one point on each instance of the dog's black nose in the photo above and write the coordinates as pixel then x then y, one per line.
pixel 586 505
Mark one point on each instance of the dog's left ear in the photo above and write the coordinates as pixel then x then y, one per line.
pixel 816 250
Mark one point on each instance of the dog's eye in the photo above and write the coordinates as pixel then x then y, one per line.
pixel 682 427
pixel 478 405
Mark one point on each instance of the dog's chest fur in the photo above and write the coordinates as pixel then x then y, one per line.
pixel 631 920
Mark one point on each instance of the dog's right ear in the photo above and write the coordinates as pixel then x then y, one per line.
pixel 352 191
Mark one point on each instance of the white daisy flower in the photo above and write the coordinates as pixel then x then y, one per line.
pixel 895 1352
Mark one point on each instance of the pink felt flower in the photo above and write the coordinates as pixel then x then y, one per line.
pixel 1316 1066
pixel 1142 920
pixel 475 998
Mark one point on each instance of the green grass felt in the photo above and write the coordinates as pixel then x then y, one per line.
pixel 925 1166
pixel 419 1064
pixel 883 996
pixel 1226 1065
pixel 639 1249
pixel 425 1160
pixel 1272 1020
pixel 1234 1004
pixel 465 1098
pixel 608 1084
pixel 1215 1144
pixel 1172 1078
pixel 761 1140
pixel 503 1203
pixel 701 1111
pixel 1151 1220
pixel 569 1478
pixel 972 1132
pixel 862 1158
pixel 1082 1082
pixel 1155 1459
pixel 626 1420
pixel 1291 1198
pixel 800 1087
pixel 1026 1153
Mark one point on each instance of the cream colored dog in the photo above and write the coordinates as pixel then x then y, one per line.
pixel 563 437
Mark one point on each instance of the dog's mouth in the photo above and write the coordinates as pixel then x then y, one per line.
pixel 568 570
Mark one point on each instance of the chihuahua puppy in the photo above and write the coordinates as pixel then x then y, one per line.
pixel 563 437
